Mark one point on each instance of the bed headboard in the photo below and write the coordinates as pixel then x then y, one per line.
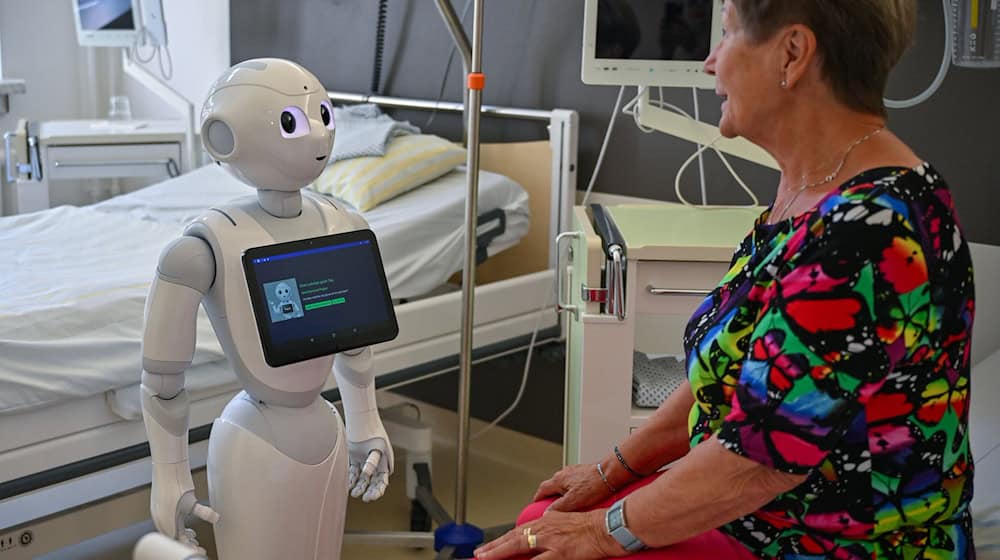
pixel 529 164
pixel 545 168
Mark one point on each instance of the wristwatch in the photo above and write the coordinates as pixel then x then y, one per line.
pixel 618 528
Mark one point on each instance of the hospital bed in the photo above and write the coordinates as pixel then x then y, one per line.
pixel 76 279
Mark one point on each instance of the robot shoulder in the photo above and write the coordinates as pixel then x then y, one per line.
pixel 188 261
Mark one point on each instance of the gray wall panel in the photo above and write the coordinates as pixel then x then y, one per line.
pixel 532 59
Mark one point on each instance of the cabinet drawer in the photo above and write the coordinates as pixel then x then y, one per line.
pixel 112 160
pixel 685 285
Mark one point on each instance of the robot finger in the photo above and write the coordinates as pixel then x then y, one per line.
pixel 189 538
pixel 205 513
pixel 377 487
pixel 371 463
pixel 361 485
pixel 352 475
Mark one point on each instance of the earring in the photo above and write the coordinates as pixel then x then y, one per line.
pixel 784 84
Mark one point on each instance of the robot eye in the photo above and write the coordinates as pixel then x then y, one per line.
pixel 326 113
pixel 294 122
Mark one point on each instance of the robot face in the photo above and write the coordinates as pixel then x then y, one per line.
pixel 275 123
pixel 283 292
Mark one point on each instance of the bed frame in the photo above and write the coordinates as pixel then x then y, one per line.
pixel 105 462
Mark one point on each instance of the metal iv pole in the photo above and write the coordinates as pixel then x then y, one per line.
pixel 454 538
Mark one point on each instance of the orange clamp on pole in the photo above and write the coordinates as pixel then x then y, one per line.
pixel 477 80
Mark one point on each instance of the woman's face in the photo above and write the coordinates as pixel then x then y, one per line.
pixel 747 78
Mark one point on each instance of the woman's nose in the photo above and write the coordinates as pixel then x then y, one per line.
pixel 710 63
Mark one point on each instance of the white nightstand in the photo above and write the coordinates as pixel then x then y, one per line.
pixel 90 149
pixel 675 257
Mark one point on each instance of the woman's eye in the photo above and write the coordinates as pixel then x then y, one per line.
pixel 326 113
pixel 294 122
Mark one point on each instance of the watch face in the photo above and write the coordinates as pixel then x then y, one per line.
pixel 615 518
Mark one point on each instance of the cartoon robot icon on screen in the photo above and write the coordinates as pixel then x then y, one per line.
pixel 280 460
pixel 283 300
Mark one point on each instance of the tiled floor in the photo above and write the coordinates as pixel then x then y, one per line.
pixel 505 468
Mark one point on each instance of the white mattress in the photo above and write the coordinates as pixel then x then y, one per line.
pixel 74 279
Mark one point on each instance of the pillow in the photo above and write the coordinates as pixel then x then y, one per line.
pixel 409 162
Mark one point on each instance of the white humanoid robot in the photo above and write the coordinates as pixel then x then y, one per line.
pixel 280 464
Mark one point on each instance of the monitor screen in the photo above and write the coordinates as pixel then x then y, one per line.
pixel 649 42
pixel 319 296
pixel 105 23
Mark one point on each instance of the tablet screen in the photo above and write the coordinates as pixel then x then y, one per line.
pixel 319 296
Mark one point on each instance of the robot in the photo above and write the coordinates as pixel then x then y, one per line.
pixel 280 461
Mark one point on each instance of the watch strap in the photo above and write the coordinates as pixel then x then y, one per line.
pixel 618 528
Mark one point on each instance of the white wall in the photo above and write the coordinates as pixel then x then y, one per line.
pixel 986 329
pixel 198 37
pixel 64 80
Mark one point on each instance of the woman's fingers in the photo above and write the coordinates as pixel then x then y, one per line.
pixel 565 503
pixel 513 543
pixel 548 488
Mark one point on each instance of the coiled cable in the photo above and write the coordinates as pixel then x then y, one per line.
pixel 383 9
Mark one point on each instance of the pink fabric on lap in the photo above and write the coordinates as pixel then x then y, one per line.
pixel 710 545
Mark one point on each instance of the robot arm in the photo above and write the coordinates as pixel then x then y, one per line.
pixel 185 272
pixel 371 457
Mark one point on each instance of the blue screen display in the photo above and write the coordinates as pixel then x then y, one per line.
pixel 327 295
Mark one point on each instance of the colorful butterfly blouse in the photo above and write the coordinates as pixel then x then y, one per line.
pixel 837 346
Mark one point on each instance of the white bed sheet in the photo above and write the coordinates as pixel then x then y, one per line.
pixel 421 234
pixel 74 279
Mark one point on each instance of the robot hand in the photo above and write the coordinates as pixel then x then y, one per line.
pixel 155 546
pixel 172 500
pixel 371 463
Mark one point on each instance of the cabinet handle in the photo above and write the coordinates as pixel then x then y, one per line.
pixel 676 292
pixel 172 168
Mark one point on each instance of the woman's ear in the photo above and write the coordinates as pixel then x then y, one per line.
pixel 798 50
pixel 218 138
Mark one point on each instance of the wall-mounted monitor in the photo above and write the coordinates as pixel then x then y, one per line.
pixel 105 23
pixel 649 42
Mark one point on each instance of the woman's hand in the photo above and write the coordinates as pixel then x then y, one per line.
pixel 579 486
pixel 572 536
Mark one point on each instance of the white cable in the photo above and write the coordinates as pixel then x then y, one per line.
pixel 604 145
pixel 157 53
pixel 170 62
pixel 527 369
pixel 664 105
pixel 942 71
pixel 701 161
pixel 630 110
pixel 687 162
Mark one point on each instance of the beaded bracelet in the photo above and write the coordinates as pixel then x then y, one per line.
pixel 621 460
pixel 600 471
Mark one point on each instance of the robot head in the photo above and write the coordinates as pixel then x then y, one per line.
pixel 283 292
pixel 269 122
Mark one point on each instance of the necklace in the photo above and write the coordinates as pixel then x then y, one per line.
pixel 828 178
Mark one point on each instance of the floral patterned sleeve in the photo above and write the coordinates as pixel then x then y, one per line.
pixel 829 332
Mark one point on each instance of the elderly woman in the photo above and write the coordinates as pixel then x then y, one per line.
pixel 827 405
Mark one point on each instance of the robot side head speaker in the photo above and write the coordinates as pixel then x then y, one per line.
pixel 272 107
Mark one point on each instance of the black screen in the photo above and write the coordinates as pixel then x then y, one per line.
pixel 319 296
pixel 654 29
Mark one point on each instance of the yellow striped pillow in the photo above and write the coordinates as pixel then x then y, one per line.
pixel 410 161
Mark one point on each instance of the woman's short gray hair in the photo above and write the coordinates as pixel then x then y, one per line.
pixel 859 41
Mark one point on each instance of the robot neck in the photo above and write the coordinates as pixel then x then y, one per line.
pixel 280 204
